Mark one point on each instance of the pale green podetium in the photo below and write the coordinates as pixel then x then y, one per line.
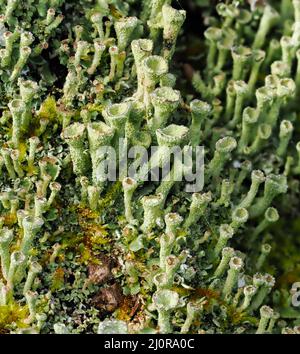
pixel 266 313
pixel 200 111
pixel 264 97
pixel 31 300
pixel 34 269
pixel 192 310
pixel 141 49
pixel 17 108
pixel 54 24
pixel 257 178
pixel 97 21
pixel 15 156
pixel 114 55
pixel 229 12
pixel 274 185
pixel 224 47
pixel 285 135
pixel 241 91
pixel 224 147
pixel 6 237
pixel 280 69
pixel 271 216
pixel 230 100
pixel 154 67
pixel 124 28
pixel 264 132
pixel 168 80
pixel 31 226
pixel 93 195
pixel 241 56
pixel 9 40
pixel 235 266
pixel 227 188
pixel 197 208
pixel 81 49
pixel 28 90
pixel 258 57
pixel 116 116
pixel 227 254
pixel 172 20
pixel 287 48
pixel 168 138
pixel 212 35
pixel 5 153
pixel 129 186
pixel 297 168
pixel 54 187
pixel 99 49
pixel 50 16
pixel 273 320
pixel 266 283
pixel 226 232
pixel 165 101
pixel 249 121
pixel 23 58
pixel 17 266
pixel 268 20
pixel 249 292
pixel 99 136
pixel 167 240
pixel 165 301
pixel 70 88
pixel 265 251
pixel 173 264
pixel 152 205
pixel 75 136
pixel 239 217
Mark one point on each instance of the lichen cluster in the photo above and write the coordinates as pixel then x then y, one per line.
pixel 80 254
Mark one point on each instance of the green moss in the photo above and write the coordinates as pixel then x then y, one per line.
pixel 13 314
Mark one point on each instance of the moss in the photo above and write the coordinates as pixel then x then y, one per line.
pixel 48 110
pixel 58 280
pixel 110 197
pixel 13 314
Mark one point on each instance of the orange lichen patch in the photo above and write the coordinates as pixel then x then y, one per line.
pixel 58 279
pixel 110 196
pixel 10 219
pixel 115 12
pixel 207 293
pixel 128 308
pixel 44 261
pixel 235 316
pixel 86 213
pixel 13 313
pixel 99 90
pixel 94 234
pixel 182 291
pixel 287 279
